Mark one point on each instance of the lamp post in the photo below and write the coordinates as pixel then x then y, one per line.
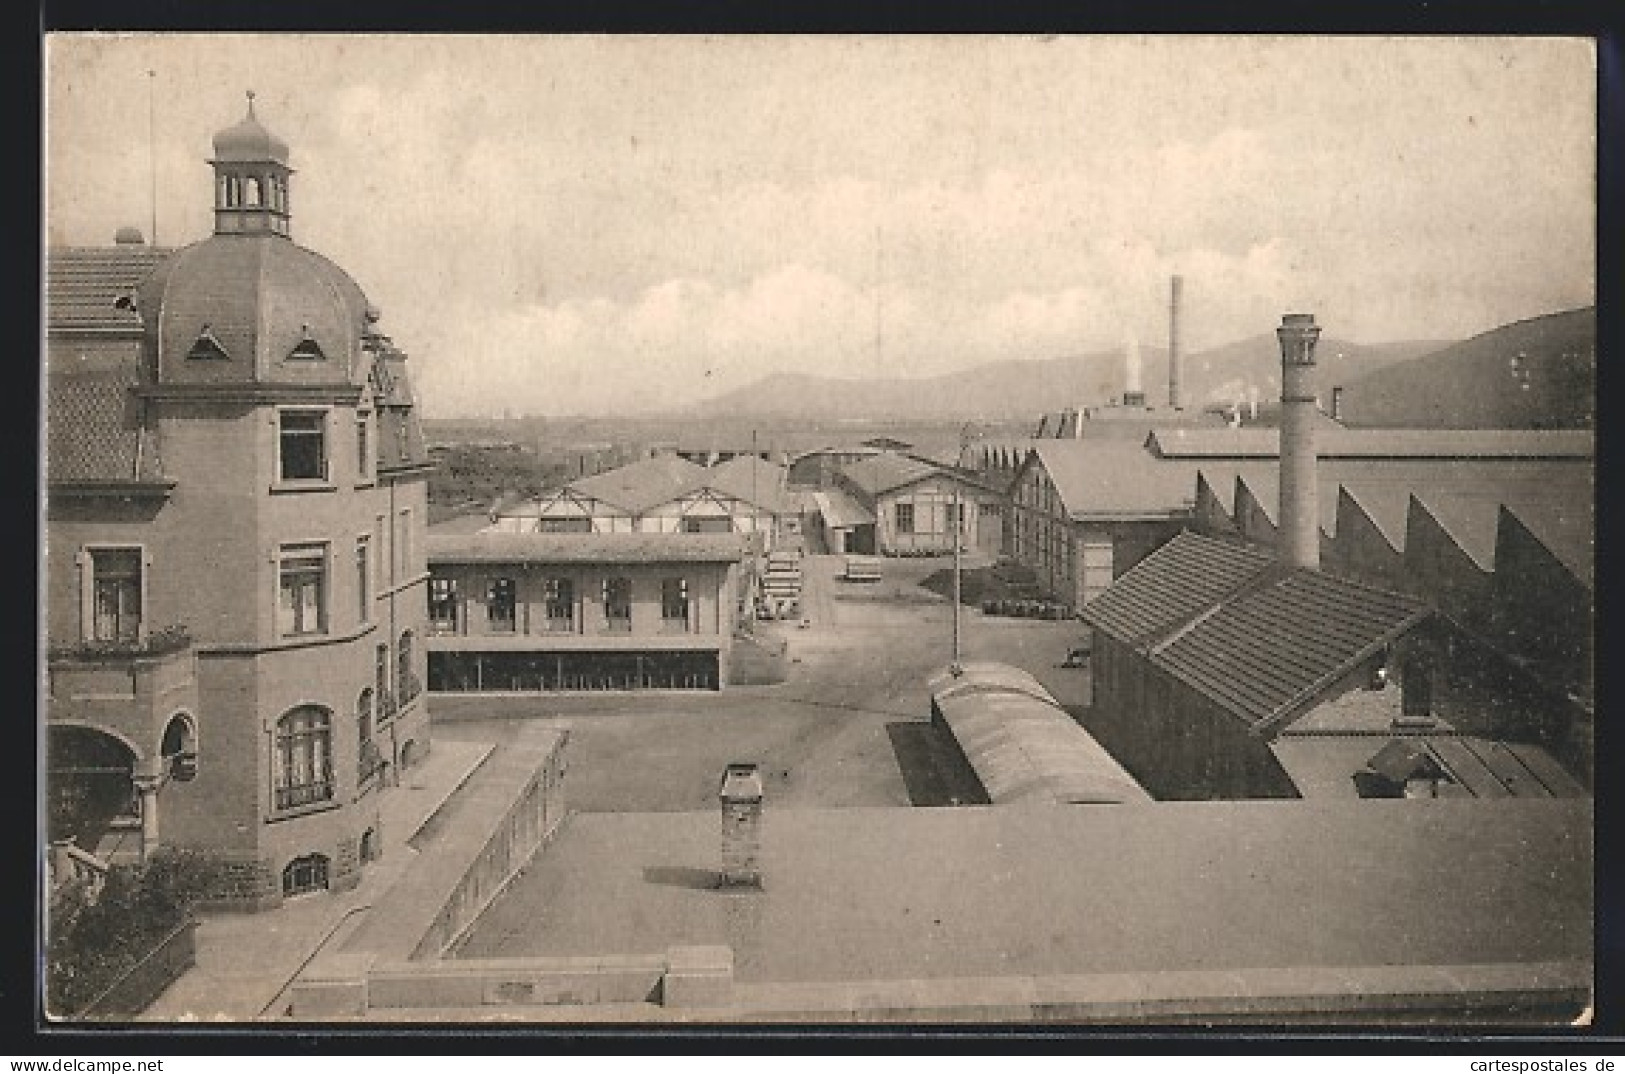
pixel 956 668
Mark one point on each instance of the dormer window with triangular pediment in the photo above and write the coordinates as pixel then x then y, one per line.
pixel 306 350
pixel 207 347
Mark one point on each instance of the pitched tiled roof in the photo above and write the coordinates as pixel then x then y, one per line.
pixel 1265 650
pixel 92 428
pixel 84 283
pixel 883 473
pixel 1096 478
pixel 641 485
pixel 841 511
pixel 1379 443
pixel 489 547
pixel 749 478
pixel 1172 585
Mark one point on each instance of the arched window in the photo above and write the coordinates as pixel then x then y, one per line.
pixel 179 747
pixel 303 768
pixel 304 875
pixel 406 682
pixel 234 191
pixel 253 191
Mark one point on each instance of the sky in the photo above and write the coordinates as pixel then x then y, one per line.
pixel 599 225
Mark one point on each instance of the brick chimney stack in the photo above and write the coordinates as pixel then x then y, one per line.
pixel 1300 508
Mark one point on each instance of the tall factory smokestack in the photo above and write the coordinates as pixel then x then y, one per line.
pixel 1300 508
pixel 1133 394
pixel 1178 286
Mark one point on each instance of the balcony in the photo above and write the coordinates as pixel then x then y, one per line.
pixel 304 794
pixel 132 686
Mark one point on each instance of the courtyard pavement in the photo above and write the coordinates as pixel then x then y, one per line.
pixel 245 961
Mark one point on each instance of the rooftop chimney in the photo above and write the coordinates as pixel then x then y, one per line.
pixel 1178 285
pixel 1300 509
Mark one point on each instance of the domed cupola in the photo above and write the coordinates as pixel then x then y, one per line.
pixel 248 305
pixel 250 179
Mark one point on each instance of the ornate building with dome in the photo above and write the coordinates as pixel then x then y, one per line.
pixel 235 574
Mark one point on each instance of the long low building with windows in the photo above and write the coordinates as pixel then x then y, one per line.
pixel 582 611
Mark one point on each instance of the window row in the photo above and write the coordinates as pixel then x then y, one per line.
pixel 304 439
pixel 561 606
pixel 302 763
pixel 907 520
pixel 302 579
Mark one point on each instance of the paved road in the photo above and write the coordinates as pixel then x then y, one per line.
pixel 842 730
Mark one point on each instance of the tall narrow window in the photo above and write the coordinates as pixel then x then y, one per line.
pixel 674 604
pixel 561 605
pixel 406 687
pixel 115 594
pixel 380 681
pixel 363 578
pixel 369 758
pixel 363 447
pixel 302 599
pixel 905 518
pixel 500 605
pixel 304 757
pixel 302 445
pixel 617 594
pixel 403 545
pixel 443 605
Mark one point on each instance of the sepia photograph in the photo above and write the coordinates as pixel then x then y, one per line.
pixel 736 530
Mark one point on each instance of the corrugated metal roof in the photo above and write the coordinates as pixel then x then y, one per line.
pixel 1024 747
pixel 1174 584
pixel 584 547
pixel 83 283
pixel 841 511
pixel 1379 443
pixel 1116 478
pixel 647 483
pixel 1263 652
pixel 748 478
pixel 93 431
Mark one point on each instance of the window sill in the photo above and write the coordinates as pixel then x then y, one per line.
pixel 282 488
pixel 306 810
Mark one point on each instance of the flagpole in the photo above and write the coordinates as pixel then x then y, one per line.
pixel 152 148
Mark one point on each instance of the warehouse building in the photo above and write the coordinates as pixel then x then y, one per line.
pixel 581 611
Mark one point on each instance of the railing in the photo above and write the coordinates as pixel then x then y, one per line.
pixel 171 639
pixel 137 987
pixel 304 794
pixel 372 762
pixel 72 865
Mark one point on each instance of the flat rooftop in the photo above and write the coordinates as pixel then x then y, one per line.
pixel 868 894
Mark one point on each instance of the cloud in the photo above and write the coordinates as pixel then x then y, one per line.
pixel 578 224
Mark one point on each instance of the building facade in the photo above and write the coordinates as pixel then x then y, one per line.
pixel 914 505
pixel 235 574
pixel 581 611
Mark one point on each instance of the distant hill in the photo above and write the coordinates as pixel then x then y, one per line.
pixel 1480 383
pixel 1025 388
